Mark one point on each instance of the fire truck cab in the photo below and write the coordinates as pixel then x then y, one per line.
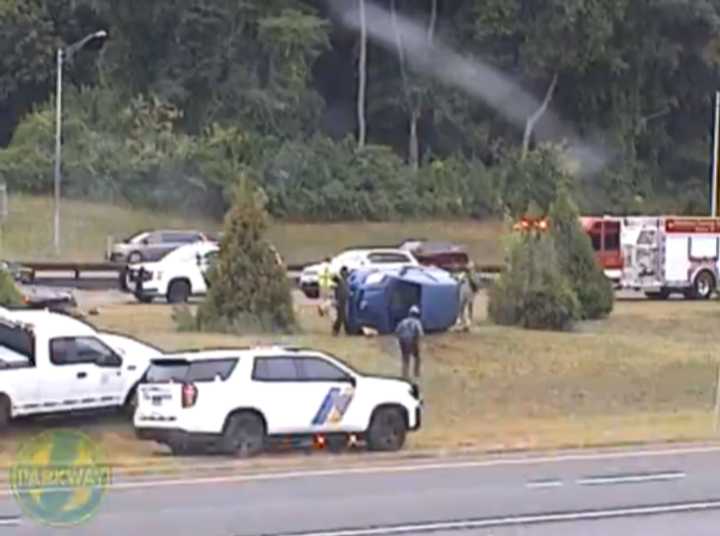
pixel 605 236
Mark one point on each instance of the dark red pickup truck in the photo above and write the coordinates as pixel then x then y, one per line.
pixel 445 255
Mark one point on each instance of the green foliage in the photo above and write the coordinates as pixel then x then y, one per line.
pixel 9 293
pixel 249 290
pixel 576 259
pixel 537 179
pixel 533 292
pixel 187 95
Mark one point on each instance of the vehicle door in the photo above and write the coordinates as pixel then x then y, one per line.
pixel 327 393
pixel 280 394
pixel 18 357
pixel 86 373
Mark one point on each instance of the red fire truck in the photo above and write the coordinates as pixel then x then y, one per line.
pixel 658 255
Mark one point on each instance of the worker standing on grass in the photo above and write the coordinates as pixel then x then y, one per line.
pixel 409 332
pixel 325 286
pixel 342 294
pixel 468 290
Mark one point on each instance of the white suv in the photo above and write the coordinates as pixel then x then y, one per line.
pixel 176 277
pixel 236 401
pixel 353 259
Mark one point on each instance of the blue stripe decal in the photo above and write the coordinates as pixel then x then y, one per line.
pixel 333 406
pixel 325 407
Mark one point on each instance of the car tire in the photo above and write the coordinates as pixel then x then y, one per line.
pixel 178 291
pixel 703 285
pixel 5 412
pixel 131 403
pixel 244 435
pixel 387 430
pixel 135 257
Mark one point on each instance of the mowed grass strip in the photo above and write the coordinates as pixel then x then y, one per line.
pixel 647 373
pixel 27 235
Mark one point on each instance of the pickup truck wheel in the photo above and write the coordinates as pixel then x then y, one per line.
pixel 387 430
pixel 131 403
pixel 178 292
pixel 4 412
pixel 244 435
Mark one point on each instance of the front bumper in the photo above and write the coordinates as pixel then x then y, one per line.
pixel 418 418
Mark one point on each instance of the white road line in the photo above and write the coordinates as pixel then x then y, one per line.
pixel 590 515
pixel 628 479
pixel 398 468
pixel 540 484
pixel 9 521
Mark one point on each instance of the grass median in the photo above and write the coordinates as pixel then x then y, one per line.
pixel 86 226
pixel 647 373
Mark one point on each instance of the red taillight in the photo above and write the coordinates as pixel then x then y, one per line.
pixel 189 395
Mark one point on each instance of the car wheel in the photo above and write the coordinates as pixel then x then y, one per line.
pixel 178 292
pixel 5 413
pixel 131 403
pixel 387 430
pixel 244 435
pixel 135 257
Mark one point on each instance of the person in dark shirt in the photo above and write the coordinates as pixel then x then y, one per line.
pixel 342 294
pixel 409 332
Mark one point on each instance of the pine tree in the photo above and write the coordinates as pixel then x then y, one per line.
pixel 576 259
pixel 249 289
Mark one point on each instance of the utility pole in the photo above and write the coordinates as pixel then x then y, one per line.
pixel 58 150
pixel 716 147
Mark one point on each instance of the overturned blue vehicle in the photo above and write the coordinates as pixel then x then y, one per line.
pixel 380 299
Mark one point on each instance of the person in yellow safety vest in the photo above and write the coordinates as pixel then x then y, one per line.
pixel 326 284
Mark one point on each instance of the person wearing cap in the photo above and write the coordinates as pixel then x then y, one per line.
pixel 342 294
pixel 409 332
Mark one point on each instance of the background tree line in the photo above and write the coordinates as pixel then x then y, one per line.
pixel 336 114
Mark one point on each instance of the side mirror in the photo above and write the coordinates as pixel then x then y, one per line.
pixel 198 259
pixel 352 381
pixel 145 241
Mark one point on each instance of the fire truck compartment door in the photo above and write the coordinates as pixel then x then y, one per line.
pixel 676 258
pixel 703 247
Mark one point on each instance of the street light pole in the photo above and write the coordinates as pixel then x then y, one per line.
pixel 58 149
pixel 61 56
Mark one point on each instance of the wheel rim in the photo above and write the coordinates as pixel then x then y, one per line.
pixel 704 285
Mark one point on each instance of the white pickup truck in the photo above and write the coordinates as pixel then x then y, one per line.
pixel 52 363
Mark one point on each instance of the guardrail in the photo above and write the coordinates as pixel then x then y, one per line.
pixel 116 272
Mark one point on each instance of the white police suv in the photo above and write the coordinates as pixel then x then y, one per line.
pixel 238 401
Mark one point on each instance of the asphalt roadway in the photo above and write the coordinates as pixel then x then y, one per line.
pixel 672 491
